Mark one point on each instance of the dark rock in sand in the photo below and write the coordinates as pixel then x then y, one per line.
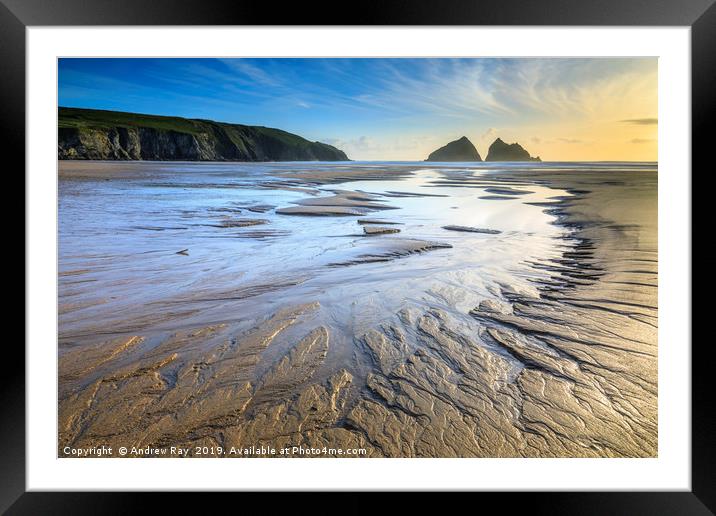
pixel 240 223
pixel 379 222
pixel 379 230
pixel 468 229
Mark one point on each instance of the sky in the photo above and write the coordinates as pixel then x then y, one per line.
pixel 561 109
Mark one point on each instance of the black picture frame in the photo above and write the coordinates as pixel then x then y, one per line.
pixel 700 15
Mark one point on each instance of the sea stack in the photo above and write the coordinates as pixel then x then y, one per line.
pixel 501 151
pixel 458 150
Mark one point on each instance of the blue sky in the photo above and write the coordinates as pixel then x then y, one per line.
pixel 394 108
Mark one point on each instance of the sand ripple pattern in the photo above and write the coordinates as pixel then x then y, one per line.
pixel 568 372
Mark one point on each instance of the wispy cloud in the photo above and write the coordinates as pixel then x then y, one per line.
pixel 252 72
pixel 510 89
pixel 641 121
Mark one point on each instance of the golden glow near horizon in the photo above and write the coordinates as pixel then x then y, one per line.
pixel 596 109
pixel 613 119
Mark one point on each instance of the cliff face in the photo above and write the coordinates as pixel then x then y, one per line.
pixel 458 150
pixel 110 135
pixel 501 151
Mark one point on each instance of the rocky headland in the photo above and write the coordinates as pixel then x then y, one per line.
pixel 112 135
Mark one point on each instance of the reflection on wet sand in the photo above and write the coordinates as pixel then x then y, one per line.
pixel 518 327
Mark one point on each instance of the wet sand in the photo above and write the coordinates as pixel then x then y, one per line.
pixel 556 358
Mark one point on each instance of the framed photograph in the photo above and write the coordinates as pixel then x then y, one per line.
pixel 432 250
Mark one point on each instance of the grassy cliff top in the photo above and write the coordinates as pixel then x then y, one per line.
pixel 79 118
pixel 101 119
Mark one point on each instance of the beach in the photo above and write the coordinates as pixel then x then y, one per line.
pixel 403 309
